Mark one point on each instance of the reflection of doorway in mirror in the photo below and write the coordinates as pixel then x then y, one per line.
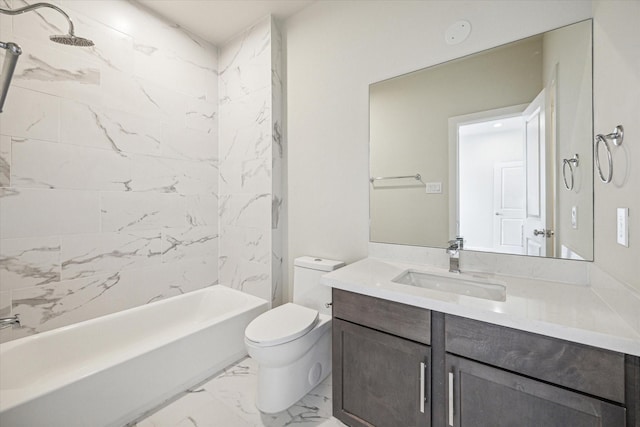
pixel 491 182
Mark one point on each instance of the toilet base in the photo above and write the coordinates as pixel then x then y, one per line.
pixel 281 387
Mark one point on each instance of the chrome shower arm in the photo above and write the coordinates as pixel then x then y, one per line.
pixel 34 6
pixel 9 65
pixel 13 48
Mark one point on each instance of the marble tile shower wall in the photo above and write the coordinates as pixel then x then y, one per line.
pixel 251 154
pixel 278 149
pixel 108 165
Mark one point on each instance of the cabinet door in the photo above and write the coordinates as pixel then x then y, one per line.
pixel 379 379
pixel 481 395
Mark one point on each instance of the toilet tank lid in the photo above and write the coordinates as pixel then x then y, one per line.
pixel 316 263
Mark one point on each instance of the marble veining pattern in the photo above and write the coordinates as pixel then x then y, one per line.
pixel 38 20
pixel 47 212
pixel 227 400
pixel 30 114
pixel 48 306
pixel 5 160
pixel 108 165
pixel 249 191
pixel 86 256
pixel 112 48
pixel 99 127
pixel 41 70
pixel 189 242
pixel 126 211
pixel 43 164
pixel 57 72
pixel 278 195
pixel 29 262
pixel 201 115
pixel 171 105
pixel 188 144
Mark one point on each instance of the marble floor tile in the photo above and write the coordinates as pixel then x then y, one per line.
pixel 227 400
pixel 214 414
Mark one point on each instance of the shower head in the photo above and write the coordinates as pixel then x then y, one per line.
pixel 13 50
pixel 69 39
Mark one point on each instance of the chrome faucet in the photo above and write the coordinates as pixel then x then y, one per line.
pixel 13 321
pixel 454 254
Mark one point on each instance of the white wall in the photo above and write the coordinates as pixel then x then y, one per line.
pixel 617 101
pixel 334 51
pixel 108 193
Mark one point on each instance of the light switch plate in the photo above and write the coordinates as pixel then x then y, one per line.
pixel 574 217
pixel 623 226
pixel 433 187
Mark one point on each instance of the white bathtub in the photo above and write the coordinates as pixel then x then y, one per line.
pixel 110 370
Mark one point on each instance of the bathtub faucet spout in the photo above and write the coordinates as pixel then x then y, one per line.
pixel 14 321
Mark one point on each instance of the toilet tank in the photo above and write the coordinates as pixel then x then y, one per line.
pixel 307 290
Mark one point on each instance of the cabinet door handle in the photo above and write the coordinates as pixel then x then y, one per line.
pixel 423 382
pixel 451 399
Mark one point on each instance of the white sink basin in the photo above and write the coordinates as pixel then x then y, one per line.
pixel 461 284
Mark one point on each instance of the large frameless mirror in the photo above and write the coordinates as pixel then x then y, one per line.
pixel 495 147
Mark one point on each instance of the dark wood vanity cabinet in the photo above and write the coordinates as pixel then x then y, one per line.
pixel 381 380
pixel 478 374
pixel 484 396
pixel 499 376
pixel 381 376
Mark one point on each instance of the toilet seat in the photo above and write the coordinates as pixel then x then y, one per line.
pixel 281 325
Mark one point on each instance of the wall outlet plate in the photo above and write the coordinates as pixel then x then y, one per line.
pixel 433 187
pixel 574 217
pixel 622 226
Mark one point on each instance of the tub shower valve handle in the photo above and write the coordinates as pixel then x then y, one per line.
pixel 13 321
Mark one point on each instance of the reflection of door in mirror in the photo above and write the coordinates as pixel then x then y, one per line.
pixel 501 195
pixel 490 193
pixel 537 236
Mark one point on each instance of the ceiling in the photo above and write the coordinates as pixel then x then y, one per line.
pixel 219 20
pixel 495 126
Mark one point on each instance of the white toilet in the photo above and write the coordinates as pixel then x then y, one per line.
pixel 292 343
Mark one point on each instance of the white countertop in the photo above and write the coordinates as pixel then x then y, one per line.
pixel 570 312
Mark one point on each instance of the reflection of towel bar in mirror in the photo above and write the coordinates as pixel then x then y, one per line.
pixel 617 136
pixel 574 161
pixel 417 177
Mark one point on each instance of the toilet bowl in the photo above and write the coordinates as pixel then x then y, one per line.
pixel 292 343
